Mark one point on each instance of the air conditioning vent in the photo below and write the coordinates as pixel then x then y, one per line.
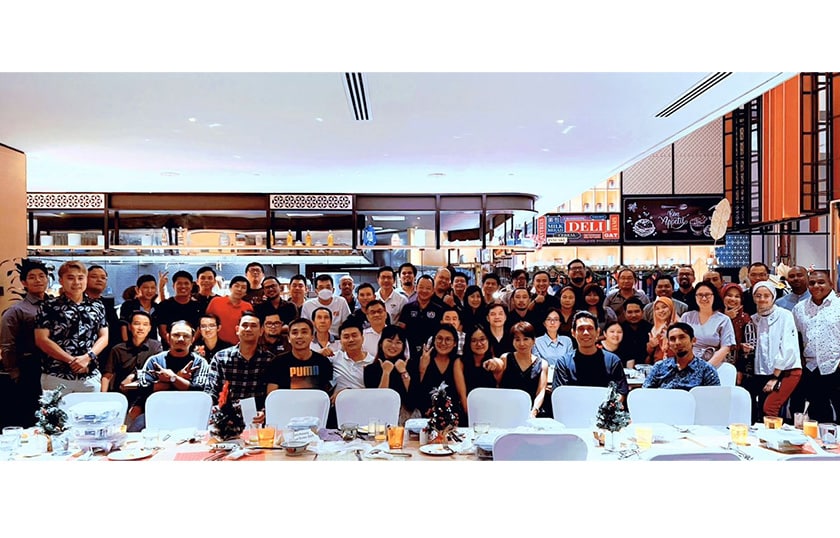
pixel 354 87
pixel 693 93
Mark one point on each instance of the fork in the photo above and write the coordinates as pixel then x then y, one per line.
pixel 740 453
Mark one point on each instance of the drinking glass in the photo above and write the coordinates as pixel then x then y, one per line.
pixel 150 438
pixel 395 437
pixel 349 431
pixel 811 428
pixel 644 437
pixel 266 436
pixel 380 431
pixel 7 446
pixel 773 423
pixel 828 433
pixel 15 432
pixel 738 433
pixel 799 419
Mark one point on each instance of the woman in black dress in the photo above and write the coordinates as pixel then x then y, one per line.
pixel 473 311
pixel 390 369
pixel 522 369
pixel 435 366
pixel 476 354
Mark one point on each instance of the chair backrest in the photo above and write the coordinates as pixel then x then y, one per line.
pixel 282 405
pixel 671 406
pixel 727 374
pixel 502 408
pixel 576 407
pixel 543 446
pixel 175 409
pixel 721 406
pixel 811 457
pixel 73 398
pixel 700 455
pixel 360 405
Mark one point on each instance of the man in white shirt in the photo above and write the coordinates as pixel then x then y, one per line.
pixel 336 305
pixel 377 317
pixel 349 363
pixel 394 302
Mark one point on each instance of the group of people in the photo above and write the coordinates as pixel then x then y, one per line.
pixel 431 329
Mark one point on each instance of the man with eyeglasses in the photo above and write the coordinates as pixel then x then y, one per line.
pixel 255 273
pixel 273 303
pixel 578 274
pixel 207 342
pixel 589 365
pixel 273 338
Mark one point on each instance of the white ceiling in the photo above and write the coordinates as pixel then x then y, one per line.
pixel 549 134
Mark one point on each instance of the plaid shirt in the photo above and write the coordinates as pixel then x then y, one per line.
pixel 247 377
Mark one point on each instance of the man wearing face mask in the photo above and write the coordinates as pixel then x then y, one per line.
pixel 336 305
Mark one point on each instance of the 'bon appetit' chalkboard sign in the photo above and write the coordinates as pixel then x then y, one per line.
pixel 668 219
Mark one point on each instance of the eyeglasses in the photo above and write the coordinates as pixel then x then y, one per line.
pixel 207 327
pixel 443 340
pixel 553 320
pixel 704 295
pixel 273 323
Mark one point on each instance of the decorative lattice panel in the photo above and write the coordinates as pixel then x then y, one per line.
pixel 65 200
pixel 698 160
pixel 311 201
pixel 651 175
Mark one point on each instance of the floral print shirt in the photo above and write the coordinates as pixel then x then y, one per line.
pixel 74 327
pixel 819 326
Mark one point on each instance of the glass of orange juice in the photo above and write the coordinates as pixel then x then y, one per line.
pixel 773 423
pixel 811 428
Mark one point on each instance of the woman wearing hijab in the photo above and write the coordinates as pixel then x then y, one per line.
pixel 777 365
pixel 664 314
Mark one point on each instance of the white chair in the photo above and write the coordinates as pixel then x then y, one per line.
pixel 172 410
pixel 721 406
pixel 576 407
pixel 73 398
pixel 671 406
pixel 360 405
pixel 698 455
pixel 502 408
pixel 540 447
pixel 809 457
pixel 727 374
pixel 282 405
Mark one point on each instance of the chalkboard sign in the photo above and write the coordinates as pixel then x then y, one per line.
pixel 579 229
pixel 668 219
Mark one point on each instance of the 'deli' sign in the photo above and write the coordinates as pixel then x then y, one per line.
pixel 579 229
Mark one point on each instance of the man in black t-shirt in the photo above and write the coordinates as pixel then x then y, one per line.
pixel 589 365
pixel 634 343
pixel 301 368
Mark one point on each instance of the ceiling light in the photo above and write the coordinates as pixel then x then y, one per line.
pixel 304 215
pixel 319 120
pixel 214 125
pixel 546 150
pixel 191 120
pixel 561 121
pixel 387 217
pixel 567 129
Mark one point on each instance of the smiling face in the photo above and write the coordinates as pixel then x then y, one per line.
pixel 732 299
pixel 496 317
pixel 140 327
pixel 345 286
pixel 586 334
pixel 209 328
pixel 376 315
pixel 520 299
pixel 300 336
pixel 386 280
pixel 97 281
pixel 351 340
pixel 392 347
pixel 206 281
pixel 459 285
pixel 238 290
pixel 763 298
pixel 406 277
pixel 685 277
pixel 444 343
pixel 425 290
pixel 479 343
pixel 819 284
pixel 613 335
pixel 36 282
pixel 297 290
pixel 273 325
pixel 74 283
pixel 797 277
pixel 183 287
pixel 180 339
pixel 249 330
pixel 271 288
pixel 664 288
pixel 541 283
pixel 365 296
pixel 592 298
pixel 758 273
pixel 475 300
pixel 567 299
pixel 661 312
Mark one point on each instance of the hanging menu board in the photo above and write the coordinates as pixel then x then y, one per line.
pixel 579 229
pixel 677 219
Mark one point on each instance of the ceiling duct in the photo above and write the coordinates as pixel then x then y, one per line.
pixel 693 93
pixel 354 87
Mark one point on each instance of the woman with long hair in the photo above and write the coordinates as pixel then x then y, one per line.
pixel 567 310
pixel 472 366
pixel 733 302
pixel 778 368
pixel 664 314
pixel 437 365
pixel 593 296
pixel 474 311
pixel 390 369
pixel 712 328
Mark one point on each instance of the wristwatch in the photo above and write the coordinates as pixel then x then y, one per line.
pixel 404 375
pixel 173 378
pixel 92 355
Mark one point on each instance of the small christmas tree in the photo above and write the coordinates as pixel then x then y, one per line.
pixel 52 420
pixel 611 414
pixel 442 417
pixel 226 420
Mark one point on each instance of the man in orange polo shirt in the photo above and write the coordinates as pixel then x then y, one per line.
pixel 229 309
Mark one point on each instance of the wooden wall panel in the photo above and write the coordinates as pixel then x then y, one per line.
pixel 781 151
pixel 13 228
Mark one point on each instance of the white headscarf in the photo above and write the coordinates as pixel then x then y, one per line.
pixel 772 288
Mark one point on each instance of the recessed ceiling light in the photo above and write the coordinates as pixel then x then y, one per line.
pixel 387 217
pixel 567 129
pixel 546 150
pixel 237 156
pixel 319 120
pixel 304 215
pixel 561 121
pixel 214 125
pixel 191 120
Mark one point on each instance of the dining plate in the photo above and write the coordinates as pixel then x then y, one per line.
pixel 128 455
pixel 435 449
pixel 362 429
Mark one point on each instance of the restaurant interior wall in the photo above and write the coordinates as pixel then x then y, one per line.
pixel 13 210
